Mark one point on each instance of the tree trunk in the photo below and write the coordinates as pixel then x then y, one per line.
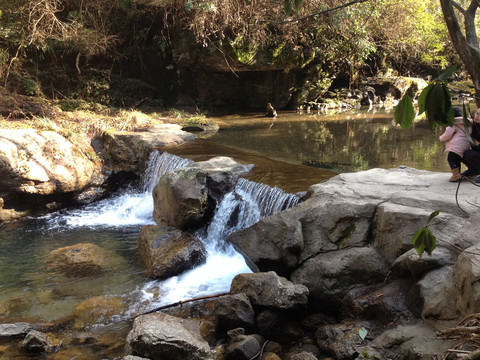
pixel 467 49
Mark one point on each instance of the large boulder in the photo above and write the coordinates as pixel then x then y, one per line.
pixel 128 150
pixel 168 252
pixel 181 199
pixel 186 198
pixel 269 289
pixel 161 336
pixel 39 168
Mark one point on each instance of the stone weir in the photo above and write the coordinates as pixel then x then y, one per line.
pixel 337 276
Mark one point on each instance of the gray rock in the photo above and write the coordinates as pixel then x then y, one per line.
pixel 412 341
pixel 438 293
pixel 168 252
pixel 466 276
pixel 269 289
pixel 163 336
pixel 241 346
pixel 410 264
pixel 329 276
pixel 181 199
pixel 15 329
pixel 304 355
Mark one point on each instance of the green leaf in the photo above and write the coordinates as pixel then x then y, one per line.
pixel 445 74
pixel 429 242
pixel 438 105
pixel 298 5
pixel 404 113
pixel 418 240
pixel 424 240
pixel 362 333
pixel 422 97
pixel 287 7
pixel 432 215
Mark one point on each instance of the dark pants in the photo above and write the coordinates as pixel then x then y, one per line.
pixel 454 160
pixel 471 158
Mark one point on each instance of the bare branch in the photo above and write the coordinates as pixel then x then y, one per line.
pixel 322 12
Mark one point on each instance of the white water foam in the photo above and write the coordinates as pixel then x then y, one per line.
pixel 243 207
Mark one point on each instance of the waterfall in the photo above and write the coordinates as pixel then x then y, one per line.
pixel 244 206
pixel 159 164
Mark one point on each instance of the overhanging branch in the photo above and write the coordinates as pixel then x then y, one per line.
pixel 322 12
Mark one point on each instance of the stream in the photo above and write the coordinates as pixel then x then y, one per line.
pixel 289 154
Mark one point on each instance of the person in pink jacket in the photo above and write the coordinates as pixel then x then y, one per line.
pixel 456 143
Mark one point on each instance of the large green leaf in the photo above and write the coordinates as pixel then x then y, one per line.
pixel 438 105
pixel 445 74
pixel 423 240
pixel 404 113
pixel 422 97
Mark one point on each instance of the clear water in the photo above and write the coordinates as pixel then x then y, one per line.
pixel 31 291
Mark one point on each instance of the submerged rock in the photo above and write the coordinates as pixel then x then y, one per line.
pixel 82 259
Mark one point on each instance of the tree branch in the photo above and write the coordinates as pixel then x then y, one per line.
pixel 322 12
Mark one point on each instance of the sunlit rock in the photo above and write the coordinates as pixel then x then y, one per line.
pixel 37 342
pixel 159 335
pixel 82 259
pixel 168 252
pixel 129 150
pixel 269 289
pixel 41 162
pixel 98 309
pixel 15 329
pixel 181 199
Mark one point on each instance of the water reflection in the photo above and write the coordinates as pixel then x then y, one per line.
pixel 323 144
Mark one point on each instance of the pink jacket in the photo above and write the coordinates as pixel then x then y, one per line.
pixel 455 138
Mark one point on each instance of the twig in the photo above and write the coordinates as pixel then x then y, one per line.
pixel 322 12
pixel 179 303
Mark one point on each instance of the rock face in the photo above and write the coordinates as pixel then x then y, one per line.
pixel 168 252
pixel 38 164
pixel 355 228
pixel 128 150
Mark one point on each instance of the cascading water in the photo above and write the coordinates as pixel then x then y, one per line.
pixel 113 224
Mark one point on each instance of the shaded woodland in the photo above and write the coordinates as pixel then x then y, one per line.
pixel 213 53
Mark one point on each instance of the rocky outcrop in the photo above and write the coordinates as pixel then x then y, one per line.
pixel 168 252
pixel 128 150
pixel 37 168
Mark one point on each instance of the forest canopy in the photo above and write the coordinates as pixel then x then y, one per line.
pixel 71 48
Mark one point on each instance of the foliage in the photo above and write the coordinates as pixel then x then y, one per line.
pixel 423 239
pixel 434 100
